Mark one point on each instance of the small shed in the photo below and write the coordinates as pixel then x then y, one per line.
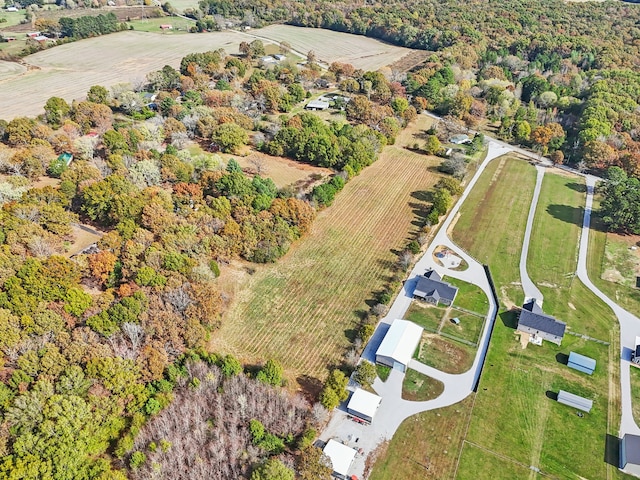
pixel 280 57
pixel 581 363
pixel 575 401
pixel 398 345
pixel 166 26
pixel 317 105
pixel 363 404
pixel 629 450
pixel 341 457
pixel 66 157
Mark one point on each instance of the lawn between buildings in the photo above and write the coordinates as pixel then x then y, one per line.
pixel 514 422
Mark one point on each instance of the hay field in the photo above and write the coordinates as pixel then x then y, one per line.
pixel 360 51
pixel 303 309
pixel 10 69
pixel 69 70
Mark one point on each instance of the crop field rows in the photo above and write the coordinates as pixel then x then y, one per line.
pixel 301 310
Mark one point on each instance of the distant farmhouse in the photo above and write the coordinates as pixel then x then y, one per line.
pixel 432 289
pixel 317 105
pixel 539 325
pixel 398 345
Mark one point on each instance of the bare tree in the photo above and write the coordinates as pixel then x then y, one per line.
pixel 405 260
pixel 380 309
pixel 259 165
pixel 135 334
pixel 179 298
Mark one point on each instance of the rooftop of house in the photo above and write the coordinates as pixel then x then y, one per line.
pixel 432 285
pixel 533 317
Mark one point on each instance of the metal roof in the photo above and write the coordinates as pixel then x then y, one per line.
pixel 401 341
pixel 317 104
pixel 575 401
pixel 364 402
pixel 542 322
pixel 340 455
pixel 577 360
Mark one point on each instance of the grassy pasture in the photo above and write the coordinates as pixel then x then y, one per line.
pixel 426 446
pixel 492 222
pixel 304 309
pixel 469 328
pixel 470 296
pixel 515 420
pixel 426 315
pixel 444 354
pixel 329 46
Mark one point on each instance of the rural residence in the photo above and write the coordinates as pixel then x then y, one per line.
pixel 317 105
pixel 432 289
pixel 581 363
pixel 575 401
pixel 539 325
pixel 363 404
pixel 341 458
pixel 398 345
pixel 460 139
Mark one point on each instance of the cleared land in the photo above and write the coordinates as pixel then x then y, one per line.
pixel 515 420
pixel 304 309
pixel 426 446
pixel 358 50
pixel 69 70
pixel 447 355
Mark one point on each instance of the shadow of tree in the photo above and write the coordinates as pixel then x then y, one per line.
pixel 567 213
pixel 578 187
pixel 310 386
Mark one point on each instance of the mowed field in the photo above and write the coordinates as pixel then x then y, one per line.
pixel 68 71
pixel 515 422
pixel 303 310
pixel 358 50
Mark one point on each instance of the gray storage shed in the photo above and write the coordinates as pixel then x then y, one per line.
pixel 575 401
pixel 581 363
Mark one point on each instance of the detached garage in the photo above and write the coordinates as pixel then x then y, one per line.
pixel 398 345
pixel 363 404
pixel 341 458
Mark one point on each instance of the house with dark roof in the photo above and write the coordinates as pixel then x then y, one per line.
pixel 539 325
pixel 431 288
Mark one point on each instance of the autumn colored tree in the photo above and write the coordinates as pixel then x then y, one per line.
pixel 101 265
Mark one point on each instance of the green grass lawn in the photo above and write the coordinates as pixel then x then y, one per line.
pixel 492 222
pixel 445 354
pixel 469 328
pixel 513 416
pixel 12 18
pixel 478 464
pixel 426 315
pixel 470 296
pixel 179 24
pixel 426 446
pixel 418 387
pixel 383 372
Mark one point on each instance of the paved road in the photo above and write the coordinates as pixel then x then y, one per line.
pixel 629 323
pixel 530 289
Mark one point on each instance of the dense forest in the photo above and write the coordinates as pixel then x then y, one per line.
pixel 103 349
pixel 560 77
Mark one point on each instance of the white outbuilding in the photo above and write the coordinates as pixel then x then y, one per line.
pixel 341 457
pixel 363 404
pixel 398 345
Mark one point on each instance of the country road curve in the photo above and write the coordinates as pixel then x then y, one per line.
pixel 629 323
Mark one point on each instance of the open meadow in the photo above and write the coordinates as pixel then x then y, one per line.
pixel 516 423
pixel 68 71
pixel 329 46
pixel 304 309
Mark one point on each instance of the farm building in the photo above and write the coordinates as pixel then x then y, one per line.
pixel 33 34
pixel 280 57
pixel 575 401
pixel 432 289
pixel 635 354
pixel 267 59
pixel 398 345
pixel 581 363
pixel 539 325
pixel 317 105
pixel 166 26
pixel 629 450
pixel 341 458
pixel 363 404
